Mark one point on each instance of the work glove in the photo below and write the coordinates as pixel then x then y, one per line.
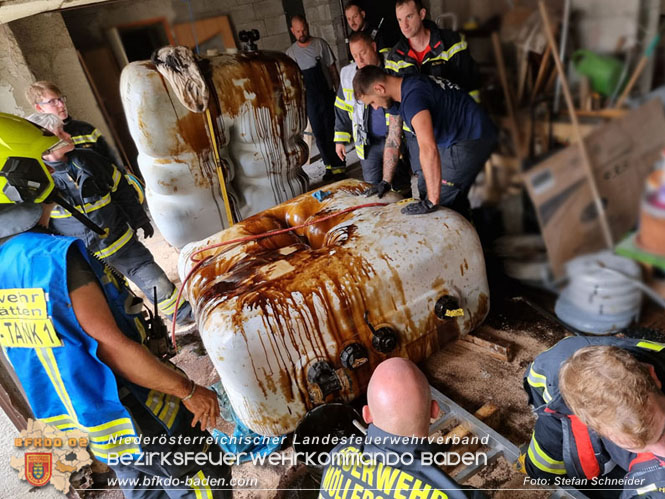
pixel 419 207
pixel 148 230
pixel 379 189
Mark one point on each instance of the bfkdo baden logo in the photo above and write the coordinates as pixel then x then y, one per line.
pixel 49 456
pixel 38 468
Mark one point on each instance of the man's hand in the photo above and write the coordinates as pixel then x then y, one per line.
pixel 379 189
pixel 148 230
pixel 340 149
pixel 204 406
pixel 419 207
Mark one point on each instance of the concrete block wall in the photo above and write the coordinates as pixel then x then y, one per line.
pixel 16 76
pixel 325 21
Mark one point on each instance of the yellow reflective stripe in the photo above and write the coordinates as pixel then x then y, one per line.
pixel 539 381
pixel 104 437
pixel 116 178
pixel 544 462
pixel 360 150
pixel 155 401
pixel 652 487
pixel 348 93
pixel 50 365
pixel 87 207
pixel 384 51
pixel 168 414
pixel 82 139
pixel 406 127
pixel 342 104
pixel 202 491
pixel 396 66
pixel 475 95
pixel 119 243
pixel 446 55
pixel 651 345
pixel 168 305
pixel 342 137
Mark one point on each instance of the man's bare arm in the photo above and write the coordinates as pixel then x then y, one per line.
pixel 133 361
pixel 391 149
pixel 430 161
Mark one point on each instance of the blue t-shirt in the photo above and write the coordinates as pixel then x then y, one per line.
pixel 377 123
pixel 455 116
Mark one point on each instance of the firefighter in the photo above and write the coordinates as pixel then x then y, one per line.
pixel 354 121
pixel 455 136
pixel 601 415
pixel 317 64
pixel 97 188
pixel 83 365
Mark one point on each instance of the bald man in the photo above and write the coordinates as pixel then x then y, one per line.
pixel 391 461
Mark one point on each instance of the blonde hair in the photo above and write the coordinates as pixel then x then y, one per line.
pixel 610 391
pixel 35 92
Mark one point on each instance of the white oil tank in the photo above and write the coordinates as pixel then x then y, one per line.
pixel 258 109
pixel 295 320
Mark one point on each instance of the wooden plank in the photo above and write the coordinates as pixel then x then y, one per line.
pixel 492 348
pixel 623 151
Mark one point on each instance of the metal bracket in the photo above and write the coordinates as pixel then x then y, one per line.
pixel 499 445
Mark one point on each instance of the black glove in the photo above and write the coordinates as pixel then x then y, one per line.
pixel 148 230
pixel 419 207
pixel 379 189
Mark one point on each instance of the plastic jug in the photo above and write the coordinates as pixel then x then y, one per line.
pixel 603 71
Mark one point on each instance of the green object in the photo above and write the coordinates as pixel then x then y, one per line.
pixel 603 71
pixel 629 248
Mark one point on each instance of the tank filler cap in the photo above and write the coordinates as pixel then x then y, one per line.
pixel 353 356
pixel 384 340
pixel 448 307
pixel 324 376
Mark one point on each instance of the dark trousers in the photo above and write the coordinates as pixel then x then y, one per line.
pixel 137 264
pixel 148 477
pixel 460 164
pixel 372 165
pixel 321 114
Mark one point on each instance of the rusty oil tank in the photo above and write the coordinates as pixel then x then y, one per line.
pixel 294 320
pixel 258 111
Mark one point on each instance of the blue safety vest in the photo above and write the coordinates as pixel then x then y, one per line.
pixel 67 385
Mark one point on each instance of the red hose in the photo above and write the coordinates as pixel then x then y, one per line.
pixel 252 238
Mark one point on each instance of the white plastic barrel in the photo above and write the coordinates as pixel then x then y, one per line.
pixel 259 112
pixel 303 318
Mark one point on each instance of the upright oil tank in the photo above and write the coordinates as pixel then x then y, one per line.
pixel 301 318
pixel 258 111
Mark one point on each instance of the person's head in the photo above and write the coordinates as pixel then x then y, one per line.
pixel 355 15
pixel 617 396
pixel 399 400
pixel 370 86
pixel 300 28
pixel 54 124
pixel 45 97
pixel 410 16
pixel 26 182
pixel 363 50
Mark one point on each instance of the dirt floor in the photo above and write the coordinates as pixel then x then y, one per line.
pixel 469 378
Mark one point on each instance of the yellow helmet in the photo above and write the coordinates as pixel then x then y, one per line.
pixel 24 178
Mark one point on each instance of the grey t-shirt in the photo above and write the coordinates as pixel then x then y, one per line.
pixel 306 57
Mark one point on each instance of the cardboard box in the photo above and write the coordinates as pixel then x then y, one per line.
pixel 622 154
